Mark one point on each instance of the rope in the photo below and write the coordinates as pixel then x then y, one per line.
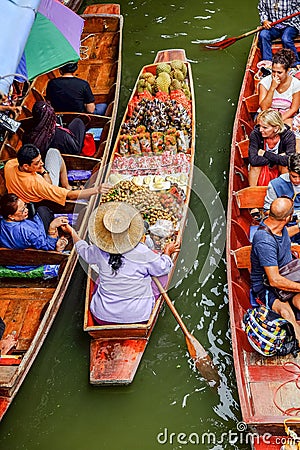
pixel 2 77
pixel 294 369
pixel 85 48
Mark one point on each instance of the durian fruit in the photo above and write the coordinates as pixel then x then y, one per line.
pixel 163 67
pixel 186 90
pixel 162 84
pixel 177 64
pixel 151 79
pixel 178 75
pixel 165 76
pixel 187 94
pixel 148 86
pixel 141 85
pixel 146 75
pixel 175 85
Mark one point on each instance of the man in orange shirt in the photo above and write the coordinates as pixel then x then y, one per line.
pixel 26 177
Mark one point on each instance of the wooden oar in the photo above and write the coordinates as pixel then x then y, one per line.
pixel 227 42
pixel 200 356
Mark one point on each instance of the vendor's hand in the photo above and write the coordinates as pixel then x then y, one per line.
pixel 70 230
pixel 261 152
pixel 172 247
pixel 61 244
pixel 17 109
pixel 67 228
pixel 59 221
pixel 104 188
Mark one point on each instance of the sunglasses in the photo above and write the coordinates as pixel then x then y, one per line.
pixel 24 208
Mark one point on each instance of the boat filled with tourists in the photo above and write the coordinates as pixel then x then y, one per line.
pixel 29 302
pixel 151 168
pixel 268 386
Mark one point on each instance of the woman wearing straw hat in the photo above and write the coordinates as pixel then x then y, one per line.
pixel 124 293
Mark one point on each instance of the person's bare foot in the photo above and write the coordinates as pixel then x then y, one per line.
pixel 6 344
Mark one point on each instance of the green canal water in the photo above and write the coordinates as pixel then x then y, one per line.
pixel 169 405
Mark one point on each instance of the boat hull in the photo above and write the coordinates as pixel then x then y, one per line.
pixel 116 350
pixel 29 306
pixel 266 387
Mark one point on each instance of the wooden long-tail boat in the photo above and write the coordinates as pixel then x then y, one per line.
pixel 116 350
pixel 267 386
pixel 29 306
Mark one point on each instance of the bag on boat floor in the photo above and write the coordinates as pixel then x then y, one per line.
pixel 268 333
pixel 267 174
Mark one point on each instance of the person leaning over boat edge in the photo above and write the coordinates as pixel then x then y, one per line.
pixel 270 11
pixel 124 292
pixel 26 177
pixel 271 250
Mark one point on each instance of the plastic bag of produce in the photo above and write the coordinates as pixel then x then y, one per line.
pixel 162 228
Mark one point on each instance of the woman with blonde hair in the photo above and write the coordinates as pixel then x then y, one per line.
pixel 270 144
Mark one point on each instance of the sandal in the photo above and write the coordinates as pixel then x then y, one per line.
pixel 255 214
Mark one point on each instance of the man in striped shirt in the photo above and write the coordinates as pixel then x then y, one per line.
pixel 270 11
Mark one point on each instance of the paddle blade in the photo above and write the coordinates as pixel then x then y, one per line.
pixel 202 360
pixel 222 44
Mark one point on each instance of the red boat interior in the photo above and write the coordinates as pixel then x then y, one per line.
pixel 267 386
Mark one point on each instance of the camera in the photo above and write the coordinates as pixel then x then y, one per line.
pixel 296 216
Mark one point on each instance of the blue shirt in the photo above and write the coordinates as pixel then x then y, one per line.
pixel 268 251
pixel 25 234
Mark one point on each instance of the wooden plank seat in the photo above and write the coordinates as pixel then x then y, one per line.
pixel 30 257
pixel 242 255
pixel 243 147
pixel 251 103
pixel 251 197
pixel 80 162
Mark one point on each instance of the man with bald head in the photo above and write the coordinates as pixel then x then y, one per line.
pixel 271 250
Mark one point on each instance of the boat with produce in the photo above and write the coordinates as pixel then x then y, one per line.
pixel 28 306
pixel 267 386
pixel 151 168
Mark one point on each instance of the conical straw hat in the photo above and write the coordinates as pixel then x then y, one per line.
pixel 116 227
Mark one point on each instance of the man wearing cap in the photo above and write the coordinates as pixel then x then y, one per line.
pixel 124 293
